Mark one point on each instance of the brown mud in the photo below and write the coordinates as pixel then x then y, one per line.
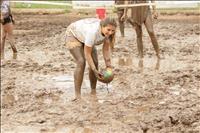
pixel 149 96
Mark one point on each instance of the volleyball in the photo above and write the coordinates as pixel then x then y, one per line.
pixel 108 75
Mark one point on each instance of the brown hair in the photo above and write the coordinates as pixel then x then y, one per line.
pixel 110 21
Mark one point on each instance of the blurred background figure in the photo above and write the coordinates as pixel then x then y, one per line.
pixel 120 12
pixel 142 15
pixel 7 25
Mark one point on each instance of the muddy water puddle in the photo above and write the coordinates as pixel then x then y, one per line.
pixel 39 86
pixel 167 64
pixel 41 57
pixel 65 84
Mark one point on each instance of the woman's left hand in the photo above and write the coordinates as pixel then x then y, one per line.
pixel 155 14
pixel 110 66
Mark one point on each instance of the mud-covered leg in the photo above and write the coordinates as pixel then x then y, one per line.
pixel 138 29
pixel 149 26
pixel 9 29
pixel 78 54
pixel 3 39
pixel 121 23
pixel 157 66
pixel 92 77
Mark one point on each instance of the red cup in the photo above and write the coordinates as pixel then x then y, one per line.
pixel 101 13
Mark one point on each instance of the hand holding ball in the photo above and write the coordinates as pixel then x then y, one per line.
pixel 108 75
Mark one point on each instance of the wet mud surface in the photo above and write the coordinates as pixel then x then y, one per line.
pixel 149 96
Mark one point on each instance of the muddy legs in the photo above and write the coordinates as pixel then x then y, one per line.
pixel 78 55
pixel 121 23
pixel 92 77
pixel 138 30
pixel 149 26
pixel 14 49
pixel 7 32
pixel 3 38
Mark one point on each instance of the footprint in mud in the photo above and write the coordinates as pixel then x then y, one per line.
pixel 7 100
pixel 82 130
pixel 70 130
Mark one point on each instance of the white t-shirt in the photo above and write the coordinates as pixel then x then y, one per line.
pixel 87 31
pixel 5 6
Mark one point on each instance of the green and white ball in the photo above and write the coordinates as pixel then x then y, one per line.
pixel 107 75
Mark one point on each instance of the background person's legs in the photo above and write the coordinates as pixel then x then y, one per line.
pixel 149 26
pixel 138 29
pixel 92 77
pixel 121 23
pixel 78 54
pixel 9 30
pixel 3 39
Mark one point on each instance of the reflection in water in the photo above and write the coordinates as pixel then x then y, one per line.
pixel 125 61
pixel 141 64
pixel 169 63
pixel 157 64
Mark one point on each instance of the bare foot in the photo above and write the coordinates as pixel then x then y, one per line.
pixel 157 64
pixel 140 63
pixel 14 56
pixel 2 56
pixel 2 62
pixel 93 92
pixel 76 99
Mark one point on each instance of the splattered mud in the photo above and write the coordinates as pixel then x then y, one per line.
pixel 149 96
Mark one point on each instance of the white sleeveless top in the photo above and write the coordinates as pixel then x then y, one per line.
pixel 87 31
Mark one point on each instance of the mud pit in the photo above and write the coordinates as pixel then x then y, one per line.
pixel 150 96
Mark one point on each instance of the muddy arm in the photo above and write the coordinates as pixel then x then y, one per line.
pixel 153 6
pixel 155 14
pixel 106 52
pixel 124 16
pixel 88 57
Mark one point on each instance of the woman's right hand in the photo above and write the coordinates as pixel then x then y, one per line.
pixel 123 18
pixel 98 74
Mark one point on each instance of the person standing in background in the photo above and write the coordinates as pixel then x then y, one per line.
pixel 142 15
pixel 7 26
pixel 120 12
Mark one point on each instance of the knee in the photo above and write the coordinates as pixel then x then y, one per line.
pixel 139 35
pixel 81 63
pixel 151 33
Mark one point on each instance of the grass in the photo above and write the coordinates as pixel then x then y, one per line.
pixel 188 11
pixel 42 6
pixel 195 10
pixel 45 6
pixel 181 9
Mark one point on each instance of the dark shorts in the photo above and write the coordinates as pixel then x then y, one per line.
pixel 7 20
